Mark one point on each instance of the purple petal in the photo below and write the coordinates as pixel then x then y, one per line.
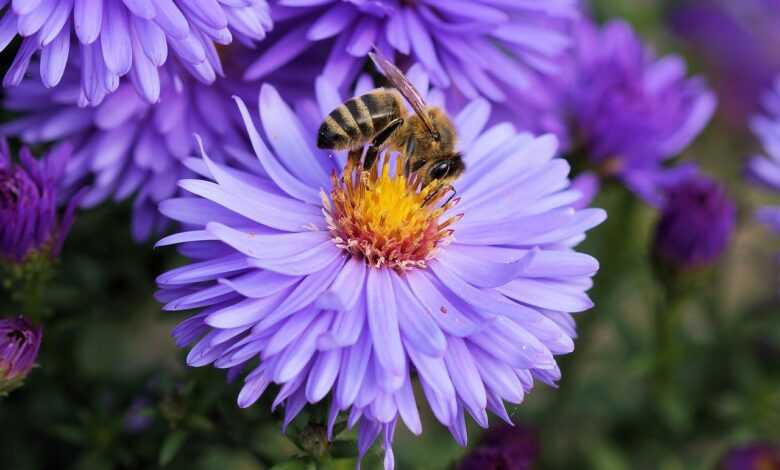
pixel 323 375
pixel 333 22
pixel 417 326
pixel 354 364
pixel 310 261
pixel 260 210
pixel 259 284
pixel 286 182
pixel 383 322
pixel 282 52
pixel 265 246
pixel 287 137
pixel 498 376
pixel 115 39
pixel 246 312
pixel 54 57
pixel 436 385
pixel 204 270
pixel 88 18
pixel 466 379
pixel 407 407
pixel 289 332
pixel 295 357
pixel 171 19
pixel 345 291
pixel 446 314
pixel 547 294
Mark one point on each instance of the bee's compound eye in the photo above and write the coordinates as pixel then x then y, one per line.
pixel 440 170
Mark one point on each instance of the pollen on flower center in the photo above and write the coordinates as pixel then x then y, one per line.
pixel 386 218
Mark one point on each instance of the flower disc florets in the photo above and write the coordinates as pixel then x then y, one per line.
pixel 386 218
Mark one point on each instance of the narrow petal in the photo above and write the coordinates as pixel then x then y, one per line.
pixel 383 322
pixel 88 18
pixel 323 375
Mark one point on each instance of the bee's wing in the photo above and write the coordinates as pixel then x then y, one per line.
pixel 404 86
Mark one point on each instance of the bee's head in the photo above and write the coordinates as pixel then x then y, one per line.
pixel 445 169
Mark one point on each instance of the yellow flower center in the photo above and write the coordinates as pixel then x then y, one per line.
pixel 386 218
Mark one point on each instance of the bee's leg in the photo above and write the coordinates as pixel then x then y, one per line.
pixel 378 141
pixel 353 158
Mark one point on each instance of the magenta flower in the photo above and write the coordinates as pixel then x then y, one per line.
pixel 630 112
pixel 504 448
pixel 349 286
pixel 499 50
pixel 736 41
pixel 697 223
pixel 126 146
pixel 114 38
pixel 29 219
pixel 19 344
pixel 754 456
pixel 765 169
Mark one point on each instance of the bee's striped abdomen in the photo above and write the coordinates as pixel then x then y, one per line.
pixel 357 120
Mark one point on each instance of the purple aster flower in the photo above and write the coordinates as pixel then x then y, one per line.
pixel 477 48
pixel 126 146
pixel 630 112
pixel 348 284
pixel 29 220
pixel 765 169
pixel 756 456
pixel 737 41
pixel 504 448
pixel 19 344
pixel 114 38
pixel 697 223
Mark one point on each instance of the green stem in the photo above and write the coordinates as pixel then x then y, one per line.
pixel 27 285
pixel 667 324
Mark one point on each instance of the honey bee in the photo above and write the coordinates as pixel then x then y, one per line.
pixel 425 140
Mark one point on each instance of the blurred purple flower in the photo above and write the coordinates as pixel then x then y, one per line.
pixel 139 416
pixel 738 43
pixel 697 223
pixel 765 169
pixel 341 287
pixel 629 112
pixel 120 37
pixel 483 48
pixel 29 220
pixel 757 456
pixel 19 344
pixel 504 447
pixel 125 145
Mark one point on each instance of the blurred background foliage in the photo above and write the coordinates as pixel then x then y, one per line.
pixel 113 393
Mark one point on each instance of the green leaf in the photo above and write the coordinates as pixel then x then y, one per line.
pixel 201 423
pixel 70 434
pixel 171 446
pixel 346 448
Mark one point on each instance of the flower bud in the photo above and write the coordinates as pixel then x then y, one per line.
pixel 697 223
pixel 29 221
pixel 503 448
pixel 752 456
pixel 19 344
